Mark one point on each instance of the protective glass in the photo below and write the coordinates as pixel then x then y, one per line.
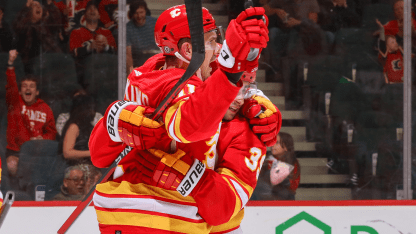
pixel 248 90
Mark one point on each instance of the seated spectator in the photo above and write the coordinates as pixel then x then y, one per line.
pixel 58 23
pixel 63 117
pixel 29 118
pixel 90 39
pixel 93 175
pixel 73 187
pixel 294 22
pixel 280 175
pixel 392 61
pixel 140 34
pixel 34 29
pixel 73 146
pixel 6 36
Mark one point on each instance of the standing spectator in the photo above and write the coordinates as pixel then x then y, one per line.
pixel 29 118
pixel 280 175
pixel 395 27
pixel 90 39
pixel 76 133
pixel 6 36
pixel 392 61
pixel 73 187
pixel 140 34
pixel 63 117
pixel 34 33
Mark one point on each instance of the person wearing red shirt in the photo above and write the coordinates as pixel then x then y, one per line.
pixel 91 38
pixel 29 118
pixel 395 27
pixel 392 61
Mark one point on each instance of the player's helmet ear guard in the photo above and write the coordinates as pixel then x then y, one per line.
pixel 172 25
pixel 249 76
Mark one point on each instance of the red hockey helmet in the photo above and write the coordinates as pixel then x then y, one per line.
pixel 172 25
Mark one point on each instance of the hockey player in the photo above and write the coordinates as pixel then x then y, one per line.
pixel 147 208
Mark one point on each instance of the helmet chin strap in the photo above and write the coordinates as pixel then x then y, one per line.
pixel 198 72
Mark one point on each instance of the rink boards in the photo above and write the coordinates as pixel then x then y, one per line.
pixel 340 217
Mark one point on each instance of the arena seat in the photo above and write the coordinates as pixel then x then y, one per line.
pixel 101 72
pixel 35 162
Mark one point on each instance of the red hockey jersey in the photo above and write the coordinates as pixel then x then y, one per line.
pixel 23 121
pixel 393 67
pixel 127 204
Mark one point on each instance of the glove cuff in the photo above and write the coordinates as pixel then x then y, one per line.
pixel 226 58
pixel 112 115
pixel 191 178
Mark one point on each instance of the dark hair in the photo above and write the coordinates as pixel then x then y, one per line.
pixel 2 9
pixel 89 4
pixel 30 77
pixel 286 141
pixel 136 5
pixel 81 114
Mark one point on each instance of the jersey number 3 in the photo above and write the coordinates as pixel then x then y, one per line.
pixel 255 161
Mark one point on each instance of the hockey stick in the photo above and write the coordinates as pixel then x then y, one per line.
pixel 7 203
pixel 194 15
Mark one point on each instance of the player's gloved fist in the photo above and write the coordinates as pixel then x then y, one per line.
pixel 127 122
pixel 170 171
pixel 265 118
pixel 246 36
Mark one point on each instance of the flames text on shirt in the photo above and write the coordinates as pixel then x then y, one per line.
pixel 34 115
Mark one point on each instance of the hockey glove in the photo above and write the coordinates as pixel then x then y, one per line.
pixel 178 171
pixel 245 38
pixel 127 122
pixel 265 118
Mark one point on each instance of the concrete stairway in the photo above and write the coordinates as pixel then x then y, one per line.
pixel 314 171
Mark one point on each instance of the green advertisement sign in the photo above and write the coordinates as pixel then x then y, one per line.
pixel 319 224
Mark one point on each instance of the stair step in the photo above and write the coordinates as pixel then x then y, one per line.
pixel 261 76
pixel 330 194
pixel 312 162
pixel 324 179
pixel 298 133
pixel 293 114
pixel 305 146
pixel 270 89
pixel 306 171
pixel 277 100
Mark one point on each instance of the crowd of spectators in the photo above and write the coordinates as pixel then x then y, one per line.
pixel 74 30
